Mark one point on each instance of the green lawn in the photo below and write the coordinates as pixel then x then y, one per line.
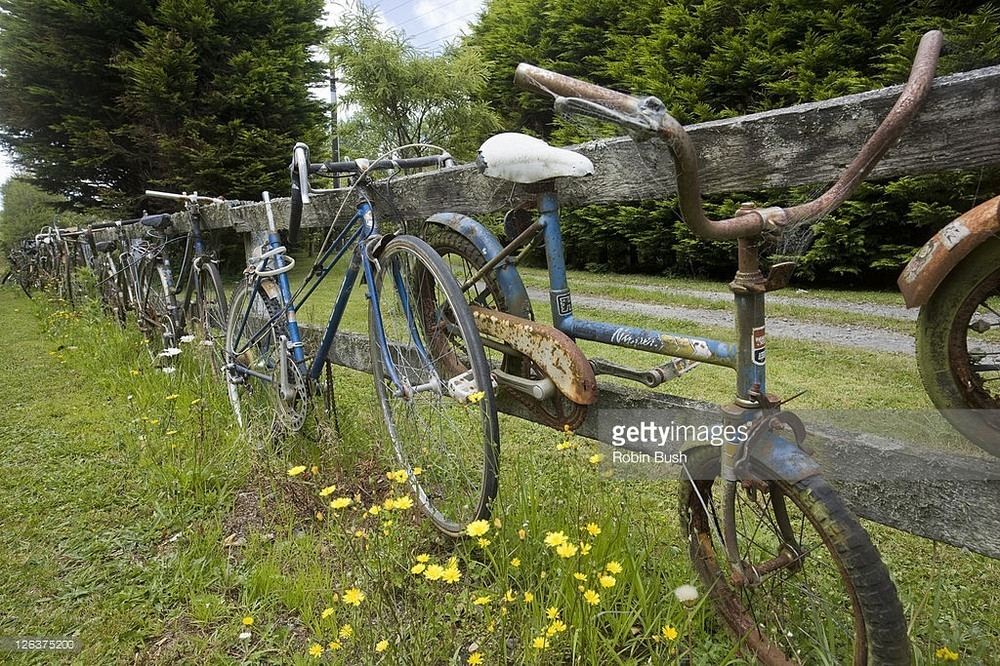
pixel 134 516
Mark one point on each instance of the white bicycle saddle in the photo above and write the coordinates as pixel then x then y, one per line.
pixel 524 159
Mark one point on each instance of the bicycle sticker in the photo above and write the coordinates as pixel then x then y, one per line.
pixel 759 345
pixel 564 305
pixel 953 234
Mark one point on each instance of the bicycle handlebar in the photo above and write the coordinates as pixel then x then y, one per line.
pixel 301 168
pixel 191 198
pixel 648 114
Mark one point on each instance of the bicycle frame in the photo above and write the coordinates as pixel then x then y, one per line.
pixel 356 236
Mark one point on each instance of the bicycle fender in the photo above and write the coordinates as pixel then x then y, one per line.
pixel 784 458
pixel 949 246
pixel 508 279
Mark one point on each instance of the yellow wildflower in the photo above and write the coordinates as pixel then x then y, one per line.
pixel 327 612
pixel 552 613
pixel 515 562
pixel 591 597
pixel 566 550
pixel 555 539
pixel 475 659
pixel 340 502
pixel 521 534
pixel 607 580
pixel 403 503
pixel 295 471
pixel 382 646
pixel 374 509
pixel 509 596
pixel 944 654
pixel 579 576
pixel 247 621
pixel 172 396
pixel 346 631
pixel 423 557
pixel 556 627
pixel 593 529
pixel 327 491
pixel 483 542
pixel 669 632
pixel 418 568
pixel 451 575
pixel 334 645
pixel 613 567
pixel 399 475
pixel 540 643
pixel 528 597
pixel 481 601
pixel 354 596
pixel 434 572
pixel 316 650
pixel 596 458
pixel 477 528
pixel 585 548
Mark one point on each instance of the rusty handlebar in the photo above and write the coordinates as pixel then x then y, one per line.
pixel 649 114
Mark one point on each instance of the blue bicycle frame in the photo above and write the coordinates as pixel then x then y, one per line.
pixel 746 356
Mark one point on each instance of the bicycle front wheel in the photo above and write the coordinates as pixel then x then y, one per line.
pixel 817 592
pixel 434 385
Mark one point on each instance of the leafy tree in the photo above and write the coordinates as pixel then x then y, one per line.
pixel 26 209
pixel 708 59
pixel 102 99
pixel 399 96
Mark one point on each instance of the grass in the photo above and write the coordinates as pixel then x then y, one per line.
pixel 136 517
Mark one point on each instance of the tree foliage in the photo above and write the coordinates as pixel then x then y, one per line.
pixel 708 59
pixel 26 209
pixel 400 96
pixel 102 99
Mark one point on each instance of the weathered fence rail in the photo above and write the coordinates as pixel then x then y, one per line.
pixel 799 145
pixel 805 144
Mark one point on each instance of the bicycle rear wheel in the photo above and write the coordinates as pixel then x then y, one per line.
pixel 210 312
pixel 157 308
pixel 823 594
pixel 434 385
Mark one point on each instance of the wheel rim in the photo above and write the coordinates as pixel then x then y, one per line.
pixel 974 345
pixel 804 613
pixel 430 430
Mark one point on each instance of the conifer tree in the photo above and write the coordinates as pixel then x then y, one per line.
pixel 102 99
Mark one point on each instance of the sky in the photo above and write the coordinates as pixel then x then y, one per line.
pixel 427 23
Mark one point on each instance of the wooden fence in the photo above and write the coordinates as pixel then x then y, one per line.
pixel 948 497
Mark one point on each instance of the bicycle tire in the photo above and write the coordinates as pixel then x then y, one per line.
pixel 958 339
pixel 210 312
pixel 110 283
pixel 157 310
pixel 835 604
pixel 253 341
pixel 447 442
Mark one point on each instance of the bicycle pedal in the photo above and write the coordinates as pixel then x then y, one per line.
pixel 463 388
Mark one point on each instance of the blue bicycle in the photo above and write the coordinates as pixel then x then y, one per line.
pixel 430 371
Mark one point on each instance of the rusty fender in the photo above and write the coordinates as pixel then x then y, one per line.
pixel 945 250
pixel 551 350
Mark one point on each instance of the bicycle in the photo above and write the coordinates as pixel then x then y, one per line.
pixel 792 573
pixel 199 280
pixel 430 371
pixel 133 274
